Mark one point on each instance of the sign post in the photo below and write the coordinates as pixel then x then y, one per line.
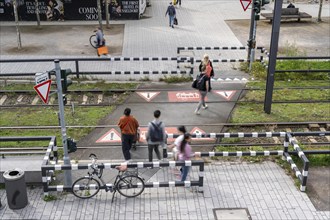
pixel 66 158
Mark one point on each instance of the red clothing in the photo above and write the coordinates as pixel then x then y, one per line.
pixel 128 124
pixel 208 69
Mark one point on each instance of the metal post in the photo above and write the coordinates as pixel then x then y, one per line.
pixel 251 41
pixel 273 55
pixel 66 158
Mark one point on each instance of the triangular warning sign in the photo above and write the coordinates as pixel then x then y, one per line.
pixel 198 131
pixel 245 4
pixel 148 96
pixel 110 136
pixel 43 90
pixel 225 93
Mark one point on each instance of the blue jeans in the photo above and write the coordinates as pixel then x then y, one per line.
pixel 184 172
pixel 202 100
pixel 171 17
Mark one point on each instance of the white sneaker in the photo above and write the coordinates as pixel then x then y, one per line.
pixel 205 107
pixel 197 112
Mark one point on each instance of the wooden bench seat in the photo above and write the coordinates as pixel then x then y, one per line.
pixel 288 13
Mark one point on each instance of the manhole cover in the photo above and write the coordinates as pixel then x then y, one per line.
pixel 232 214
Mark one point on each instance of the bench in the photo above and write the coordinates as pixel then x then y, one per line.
pixel 287 13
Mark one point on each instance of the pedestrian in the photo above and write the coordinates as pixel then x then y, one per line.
pixel 128 126
pixel 171 14
pixel 178 2
pixel 209 68
pixel 203 89
pixel 99 37
pixel 176 145
pixel 185 154
pixel 155 136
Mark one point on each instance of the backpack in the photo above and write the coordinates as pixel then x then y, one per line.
pixel 199 82
pixel 156 133
pixel 171 10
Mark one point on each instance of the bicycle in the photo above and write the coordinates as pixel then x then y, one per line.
pixel 93 41
pixel 127 184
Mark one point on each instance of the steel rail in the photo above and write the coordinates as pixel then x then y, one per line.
pixel 258 124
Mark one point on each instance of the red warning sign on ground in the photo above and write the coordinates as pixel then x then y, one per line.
pixel 148 96
pixel 168 130
pixel 198 131
pixel 225 93
pixel 184 96
pixel 110 137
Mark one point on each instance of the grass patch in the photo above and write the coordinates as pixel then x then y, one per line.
pixel 32 117
pixel 176 79
pixel 50 198
pixel 249 113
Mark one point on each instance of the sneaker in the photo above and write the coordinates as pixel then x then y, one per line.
pixel 205 107
pixel 172 26
pixel 197 112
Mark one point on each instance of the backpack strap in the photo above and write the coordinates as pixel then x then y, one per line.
pixel 156 126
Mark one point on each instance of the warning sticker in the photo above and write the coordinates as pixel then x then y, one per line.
pixel 110 137
pixel 225 93
pixel 184 96
pixel 148 96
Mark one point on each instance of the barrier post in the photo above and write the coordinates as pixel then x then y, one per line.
pixel 201 178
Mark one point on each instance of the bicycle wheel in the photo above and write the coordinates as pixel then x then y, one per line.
pixel 93 41
pixel 85 187
pixel 130 186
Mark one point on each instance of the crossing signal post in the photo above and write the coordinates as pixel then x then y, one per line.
pixel 65 82
pixel 257 9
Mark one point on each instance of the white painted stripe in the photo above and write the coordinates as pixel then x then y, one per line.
pixel 59 188
pixel 225 153
pixel 93 186
pixel 74 166
pixel 305 173
pixel 197 154
pixel 46 158
pixel 48 150
pixel 286 144
pixel 295 146
pixel 300 154
pixel 211 154
pixel 201 174
pixel 254 134
pixel 187 183
pixel 76 187
pixel 280 152
pixel 293 166
pixel 169 135
pixel 302 188
pixel 187 163
pixel 55 148
pixel 155 164
pixel 298 173
pixel 290 140
pixel 240 134
pixel 198 135
pixel 282 134
pixel 239 153
pixel 172 163
pixel 253 153
pixel 107 165
pixel 109 185
pixel 213 135
pixel 288 158
pixel 140 164
pixel 171 183
pixel 139 185
pixel 155 184
pixel 226 135
pixel 44 179
pixel 266 153
pixel 58 166
pixel 269 134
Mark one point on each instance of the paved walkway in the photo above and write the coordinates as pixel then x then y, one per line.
pixel 264 189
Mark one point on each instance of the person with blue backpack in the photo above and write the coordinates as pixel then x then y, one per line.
pixel 171 13
pixel 155 136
